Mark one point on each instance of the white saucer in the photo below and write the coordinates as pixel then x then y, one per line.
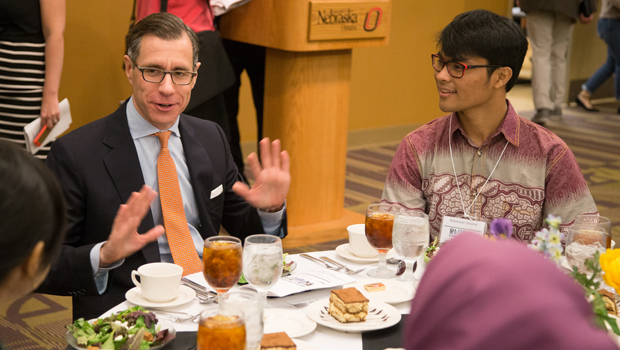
pixel 294 323
pixel 380 315
pixel 395 291
pixel 344 251
pixel 186 295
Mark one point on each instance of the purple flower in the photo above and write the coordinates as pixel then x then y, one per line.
pixel 501 228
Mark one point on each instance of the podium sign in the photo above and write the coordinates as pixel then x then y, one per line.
pixel 348 20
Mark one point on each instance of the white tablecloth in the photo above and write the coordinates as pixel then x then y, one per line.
pixel 322 338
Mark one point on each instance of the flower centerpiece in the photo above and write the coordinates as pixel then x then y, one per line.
pixel 548 242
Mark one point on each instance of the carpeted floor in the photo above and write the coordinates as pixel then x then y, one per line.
pixel 36 321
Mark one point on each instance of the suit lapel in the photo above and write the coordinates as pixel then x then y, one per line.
pixel 123 166
pixel 200 169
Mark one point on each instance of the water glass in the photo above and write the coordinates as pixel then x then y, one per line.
pixel 599 221
pixel 262 262
pixel 252 304
pixel 582 243
pixel 410 236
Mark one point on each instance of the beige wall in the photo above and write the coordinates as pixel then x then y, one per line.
pixel 92 77
pixel 391 85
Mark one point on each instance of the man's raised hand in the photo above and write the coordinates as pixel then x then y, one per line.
pixel 272 174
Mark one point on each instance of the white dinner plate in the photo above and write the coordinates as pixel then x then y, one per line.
pixel 380 315
pixel 302 345
pixel 186 295
pixel 164 325
pixel 294 323
pixel 395 291
pixel 344 251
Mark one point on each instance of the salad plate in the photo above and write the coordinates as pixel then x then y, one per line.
pixel 139 325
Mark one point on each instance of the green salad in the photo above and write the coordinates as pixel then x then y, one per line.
pixel 132 329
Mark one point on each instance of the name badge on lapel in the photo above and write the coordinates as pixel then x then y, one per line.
pixel 217 191
pixel 452 227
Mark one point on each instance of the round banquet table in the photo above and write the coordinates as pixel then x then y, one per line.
pixel 322 337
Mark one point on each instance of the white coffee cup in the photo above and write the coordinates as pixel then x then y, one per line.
pixel 159 282
pixel 358 244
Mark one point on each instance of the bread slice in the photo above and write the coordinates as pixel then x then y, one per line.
pixel 348 305
pixel 277 341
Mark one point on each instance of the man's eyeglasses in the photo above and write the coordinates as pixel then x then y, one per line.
pixel 455 69
pixel 156 75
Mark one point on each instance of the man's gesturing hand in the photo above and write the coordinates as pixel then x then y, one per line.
pixel 273 177
pixel 124 240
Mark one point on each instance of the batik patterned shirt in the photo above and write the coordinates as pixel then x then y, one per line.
pixel 536 176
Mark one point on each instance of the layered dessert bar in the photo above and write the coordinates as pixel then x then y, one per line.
pixel 348 305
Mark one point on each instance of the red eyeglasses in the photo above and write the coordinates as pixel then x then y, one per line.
pixel 455 69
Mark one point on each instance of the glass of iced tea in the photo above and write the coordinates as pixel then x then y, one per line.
pixel 223 263
pixel 221 330
pixel 379 222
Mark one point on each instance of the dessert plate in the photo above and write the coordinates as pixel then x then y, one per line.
pixel 294 323
pixel 164 325
pixel 186 295
pixel 344 251
pixel 380 315
pixel 395 291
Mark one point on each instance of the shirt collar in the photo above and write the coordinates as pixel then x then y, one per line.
pixel 140 127
pixel 509 126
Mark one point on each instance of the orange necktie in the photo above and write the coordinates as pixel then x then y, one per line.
pixel 179 239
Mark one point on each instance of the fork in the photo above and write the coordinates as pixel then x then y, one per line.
pixel 302 304
pixel 347 270
pixel 184 316
pixel 326 265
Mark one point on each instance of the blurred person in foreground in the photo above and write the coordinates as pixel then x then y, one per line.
pixel 483 161
pixel 482 294
pixel 550 28
pixel 32 217
pixel 147 145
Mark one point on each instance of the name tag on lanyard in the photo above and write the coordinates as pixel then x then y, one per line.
pixel 452 227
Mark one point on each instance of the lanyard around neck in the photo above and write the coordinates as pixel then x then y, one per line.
pixel 466 212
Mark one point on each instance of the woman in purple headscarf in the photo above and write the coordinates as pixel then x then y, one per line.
pixel 481 294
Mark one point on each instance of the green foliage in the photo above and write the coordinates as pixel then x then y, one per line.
pixel 591 286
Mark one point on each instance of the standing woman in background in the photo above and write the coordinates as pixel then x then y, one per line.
pixel 31 55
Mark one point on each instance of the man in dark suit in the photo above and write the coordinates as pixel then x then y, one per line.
pixel 102 164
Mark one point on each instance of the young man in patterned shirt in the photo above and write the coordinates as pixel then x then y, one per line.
pixel 483 161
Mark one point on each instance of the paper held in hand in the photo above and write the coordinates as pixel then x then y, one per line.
pixel 31 130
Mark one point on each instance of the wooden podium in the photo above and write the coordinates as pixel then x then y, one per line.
pixel 307 77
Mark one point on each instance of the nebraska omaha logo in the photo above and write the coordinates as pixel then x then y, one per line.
pixel 349 19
